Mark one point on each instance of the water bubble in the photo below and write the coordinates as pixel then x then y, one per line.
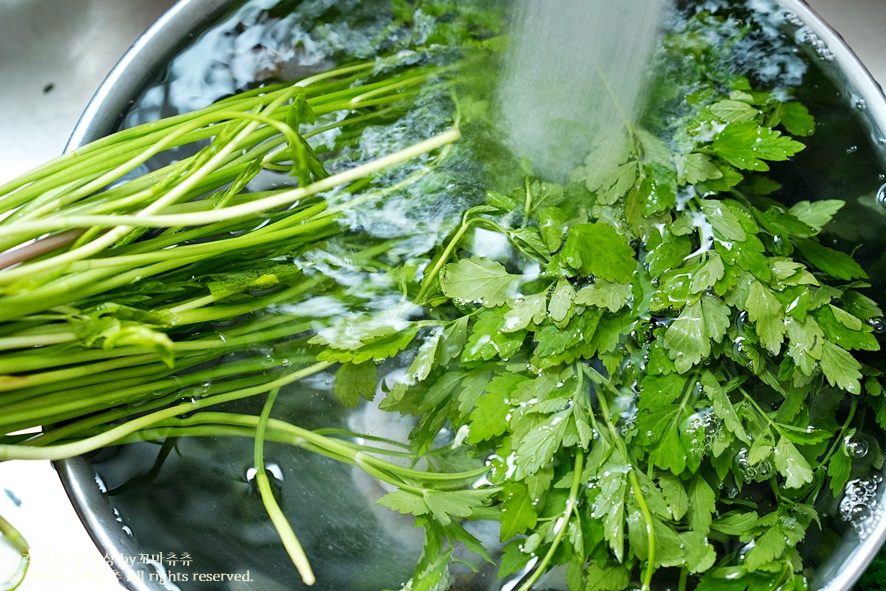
pixel 743 463
pixel 859 505
pixel 861 104
pixel 856 446
pixel 764 470
pixel 780 245
pixel 881 197
pixel 859 512
pixel 738 347
pixel 275 477
pixel 852 149
pixel 878 324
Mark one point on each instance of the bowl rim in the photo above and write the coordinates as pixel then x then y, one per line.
pixel 147 54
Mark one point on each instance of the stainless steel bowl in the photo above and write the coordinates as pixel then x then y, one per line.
pixel 173 30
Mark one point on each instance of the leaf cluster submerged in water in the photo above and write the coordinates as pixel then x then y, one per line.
pixel 661 370
pixel 652 373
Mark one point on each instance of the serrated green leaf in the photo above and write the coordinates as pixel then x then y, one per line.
pixel 816 214
pixel 518 511
pixel 708 275
pixel 376 348
pixel 767 548
pixel 833 262
pixel 490 417
pixel 674 492
pixel 666 252
pixel 767 314
pixel 537 448
pixel 599 250
pixel 840 368
pixel 702 505
pixel 845 330
pixel 695 168
pixel 746 145
pixel 455 335
pixel 795 117
pixel 442 505
pixel 488 339
pixel 688 338
pixel 356 381
pixel 605 294
pixel 526 310
pixel 791 464
pixel 735 523
pixel 699 554
pixel 562 297
pixel 724 220
pixel 613 186
pixel 479 280
pixel 610 505
pixel 732 111
pixel 723 407
pixel 607 577
pixel 839 469
pixel 552 223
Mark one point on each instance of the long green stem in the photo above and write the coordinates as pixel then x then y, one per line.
pixel 109 437
pixel 20 545
pixel 562 522
pixel 243 210
pixel 284 530
pixel 600 379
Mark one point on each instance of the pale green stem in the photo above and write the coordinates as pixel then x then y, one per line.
pixel 284 530
pixel 61 451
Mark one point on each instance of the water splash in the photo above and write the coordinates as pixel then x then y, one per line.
pixel 573 73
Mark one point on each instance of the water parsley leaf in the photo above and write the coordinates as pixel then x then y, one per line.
pixel 833 262
pixel 840 368
pixel 354 381
pixel 816 214
pixel 767 314
pixel 791 464
pixel 746 145
pixel 518 513
pixel 598 249
pixel 490 417
pixel 479 280
pixel 488 339
pixel 605 294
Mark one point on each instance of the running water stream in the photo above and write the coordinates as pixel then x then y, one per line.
pixel 576 69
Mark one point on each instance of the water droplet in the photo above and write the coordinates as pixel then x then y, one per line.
pixel 861 104
pixel 852 149
pixel 878 324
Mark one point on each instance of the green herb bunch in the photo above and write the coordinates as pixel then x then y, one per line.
pixel 662 370
pixel 654 376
